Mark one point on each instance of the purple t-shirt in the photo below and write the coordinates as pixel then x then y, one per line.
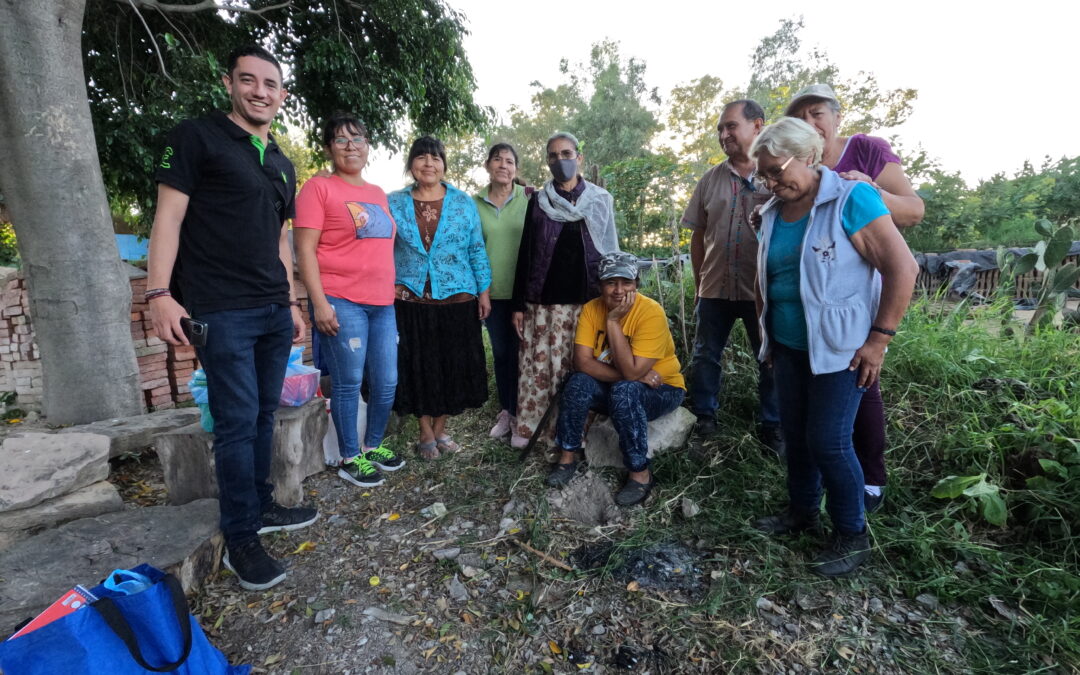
pixel 868 154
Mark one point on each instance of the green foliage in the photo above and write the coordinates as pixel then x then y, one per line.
pixel 1056 277
pixel 385 60
pixel 647 193
pixel 9 250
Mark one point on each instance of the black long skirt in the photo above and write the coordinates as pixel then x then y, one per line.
pixel 442 369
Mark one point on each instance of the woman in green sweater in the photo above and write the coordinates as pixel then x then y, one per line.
pixel 502 215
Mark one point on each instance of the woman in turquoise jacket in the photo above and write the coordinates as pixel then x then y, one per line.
pixel 441 296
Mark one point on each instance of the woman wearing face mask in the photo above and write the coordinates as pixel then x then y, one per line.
pixel 502 207
pixel 569 225
pixel 834 280
pixel 868 159
pixel 441 296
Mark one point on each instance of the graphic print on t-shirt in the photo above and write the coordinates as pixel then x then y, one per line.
pixel 370 220
pixel 602 350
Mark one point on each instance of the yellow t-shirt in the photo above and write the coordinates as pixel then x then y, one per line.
pixel 646 329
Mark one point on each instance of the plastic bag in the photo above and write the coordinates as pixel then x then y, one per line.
pixel 301 382
pixel 197 386
pixel 330 445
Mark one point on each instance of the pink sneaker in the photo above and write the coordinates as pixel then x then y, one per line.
pixel 502 426
pixel 518 442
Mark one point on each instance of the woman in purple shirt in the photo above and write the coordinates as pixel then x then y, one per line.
pixel 871 160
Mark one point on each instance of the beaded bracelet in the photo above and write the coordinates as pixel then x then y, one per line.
pixel 156 293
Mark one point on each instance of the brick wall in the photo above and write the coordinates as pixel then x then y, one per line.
pixel 164 370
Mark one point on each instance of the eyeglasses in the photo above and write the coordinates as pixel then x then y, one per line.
pixel 565 154
pixel 342 141
pixel 763 179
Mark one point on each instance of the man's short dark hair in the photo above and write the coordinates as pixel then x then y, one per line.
pixel 426 145
pixel 341 121
pixel 250 50
pixel 751 109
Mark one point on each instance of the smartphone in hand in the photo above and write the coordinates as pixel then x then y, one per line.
pixel 195 331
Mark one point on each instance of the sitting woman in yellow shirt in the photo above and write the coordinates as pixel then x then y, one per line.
pixel 625 364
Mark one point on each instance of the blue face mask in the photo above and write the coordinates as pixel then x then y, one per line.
pixel 563 170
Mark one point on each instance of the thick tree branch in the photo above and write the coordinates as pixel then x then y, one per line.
pixel 205 5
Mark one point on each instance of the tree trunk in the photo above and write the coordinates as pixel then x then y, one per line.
pixel 80 298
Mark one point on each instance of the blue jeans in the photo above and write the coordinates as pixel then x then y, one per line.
pixel 817 413
pixel 366 341
pixel 504 353
pixel 630 404
pixel 715 319
pixel 244 358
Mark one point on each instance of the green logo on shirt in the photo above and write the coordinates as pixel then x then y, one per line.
pixel 165 158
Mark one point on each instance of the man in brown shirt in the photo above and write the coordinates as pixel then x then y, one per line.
pixel 723 252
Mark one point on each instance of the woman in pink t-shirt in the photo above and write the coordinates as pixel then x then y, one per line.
pixel 344 237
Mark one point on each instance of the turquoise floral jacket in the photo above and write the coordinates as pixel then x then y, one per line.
pixel 457 261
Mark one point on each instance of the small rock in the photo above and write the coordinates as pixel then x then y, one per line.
pixel 876 606
pixel 469 572
pixel 764 604
pixel 334 519
pixel 690 508
pixel 383 615
pixel 599 629
pixel 506 523
pixel 791 628
pixel 509 507
pixel 457 590
pixel 446 553
pixel 436 510
pixel 961 567
pixel 927 600
pixel 324 615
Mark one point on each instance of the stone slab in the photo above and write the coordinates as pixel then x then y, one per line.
pixel 666 433
pixel 187 457
pixel 183 540
pixel 131 434
pixel 92 500
pixel 35 467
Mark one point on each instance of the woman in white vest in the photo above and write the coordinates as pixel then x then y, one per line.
pixel 834 280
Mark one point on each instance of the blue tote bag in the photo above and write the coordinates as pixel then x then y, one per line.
pixel 122 633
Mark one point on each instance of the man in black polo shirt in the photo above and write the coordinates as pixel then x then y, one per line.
pixel 224 192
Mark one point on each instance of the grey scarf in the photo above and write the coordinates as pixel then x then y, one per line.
pixel 595 206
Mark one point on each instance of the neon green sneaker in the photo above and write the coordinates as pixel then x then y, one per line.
pixel 359 471
pixel 384 458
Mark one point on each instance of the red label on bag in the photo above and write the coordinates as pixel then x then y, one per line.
pixel 73 600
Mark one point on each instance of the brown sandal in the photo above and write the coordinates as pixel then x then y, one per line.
pixel 428 450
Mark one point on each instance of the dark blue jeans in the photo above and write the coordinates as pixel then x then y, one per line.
pixel 244 358
pixel 366 341
pixel 504 353
pixel 817 413
pixel 715 319
pixel 629 404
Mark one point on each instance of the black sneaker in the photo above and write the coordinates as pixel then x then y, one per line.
pixel 253 566
pixel 771 436
pixel 871 502
pixel 844 555
pixel 789 522
pixel 278 517
pixel 705 426
pixel 360 471
pixel 384 458
pixel 633 492
pixel 561 474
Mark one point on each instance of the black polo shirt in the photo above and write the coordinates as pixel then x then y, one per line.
pixel 239 198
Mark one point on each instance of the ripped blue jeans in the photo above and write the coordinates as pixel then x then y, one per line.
pixel 629 404
pixel 366 342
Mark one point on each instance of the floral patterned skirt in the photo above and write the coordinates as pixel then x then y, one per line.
pixel 546 357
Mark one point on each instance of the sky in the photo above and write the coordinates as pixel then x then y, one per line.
pixel 996 81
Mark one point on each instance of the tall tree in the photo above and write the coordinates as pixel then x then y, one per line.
pixel 150 63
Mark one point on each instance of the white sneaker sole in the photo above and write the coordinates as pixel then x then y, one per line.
pixel 342 473
pixel 288 528
pixel 247 585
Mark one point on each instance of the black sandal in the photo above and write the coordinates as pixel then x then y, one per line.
pixel 633 492
pixel 561 474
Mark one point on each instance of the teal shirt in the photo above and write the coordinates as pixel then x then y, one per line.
pixel 502 237
pixel 786 320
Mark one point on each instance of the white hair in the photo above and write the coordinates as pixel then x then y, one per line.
pixel 791 137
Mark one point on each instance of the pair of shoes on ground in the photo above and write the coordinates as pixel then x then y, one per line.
pixel 844 552
pixel 249 561
pixel 632 491
pixel 363 469
pixel 437 448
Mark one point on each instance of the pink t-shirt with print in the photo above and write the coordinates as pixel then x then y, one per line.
pixel 356 248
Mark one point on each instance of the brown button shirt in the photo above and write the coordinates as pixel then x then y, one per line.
pixel 722 203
